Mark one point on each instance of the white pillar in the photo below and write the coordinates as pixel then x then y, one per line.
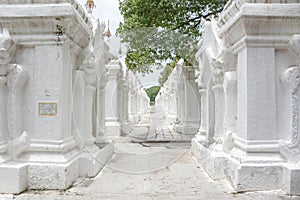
pixel 88 108
pixel 191 118
pixel 112 94
pixel 3 121
pixel 230 113
pixel 123 107
pixel 256 94
pixel 101 139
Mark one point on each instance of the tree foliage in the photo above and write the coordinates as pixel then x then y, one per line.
pixel 166 72
pixel 159 31
pixel 152 92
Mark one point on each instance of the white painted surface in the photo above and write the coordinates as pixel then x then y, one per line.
pixel 252 55
pixel 50 61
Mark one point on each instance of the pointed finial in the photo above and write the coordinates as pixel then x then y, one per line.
pixel 120 50
pixel 108 33
pixel 90 5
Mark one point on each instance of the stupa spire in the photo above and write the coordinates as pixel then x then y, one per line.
pixel 90 5
pixel 108 33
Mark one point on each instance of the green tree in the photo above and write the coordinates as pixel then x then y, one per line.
pixel 166 72
pixel 159 31
pixel 152 92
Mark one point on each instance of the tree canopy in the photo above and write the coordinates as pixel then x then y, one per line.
pixel 161 31
pixel 152 92
pixel 166 72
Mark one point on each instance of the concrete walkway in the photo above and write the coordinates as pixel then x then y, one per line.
pixel 157 130
pixel 138 172
pixel 152 163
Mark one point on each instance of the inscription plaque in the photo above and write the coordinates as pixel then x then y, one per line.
pixel 47 108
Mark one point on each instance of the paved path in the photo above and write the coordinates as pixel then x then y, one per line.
pixel 138 172
pixel 157 130
pixel 155 163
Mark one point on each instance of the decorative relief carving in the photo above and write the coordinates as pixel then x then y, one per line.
pixel 217 75
pixel 215 59
pixel 7 49
pixel 223 62
pixel 294 46
pixel 291 150
pixel 103 80
pixel 199 75
pixel 230 115
pixel 16 78
pixel 89 67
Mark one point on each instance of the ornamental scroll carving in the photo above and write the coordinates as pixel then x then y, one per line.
pixel 16 79
pixel 291 149
pixel 201 70
pixel 291 77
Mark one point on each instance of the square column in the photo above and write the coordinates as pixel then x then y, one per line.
pixel 101 139
pixel 256 98
pixel 256 137
pixel 123 105
pixel 191 114
pixel 112 113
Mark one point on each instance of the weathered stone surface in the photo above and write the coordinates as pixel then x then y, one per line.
pixel 52 59
pixel 248 73
pixel 181 179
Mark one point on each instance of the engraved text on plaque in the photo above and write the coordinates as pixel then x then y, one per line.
pixel 48 108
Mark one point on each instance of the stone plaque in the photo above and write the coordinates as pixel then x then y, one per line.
pixel 47 108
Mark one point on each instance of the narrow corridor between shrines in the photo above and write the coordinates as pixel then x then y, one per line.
pixel 152 163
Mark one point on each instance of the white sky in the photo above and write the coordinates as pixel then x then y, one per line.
pixel 150 79
pixel 109 10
